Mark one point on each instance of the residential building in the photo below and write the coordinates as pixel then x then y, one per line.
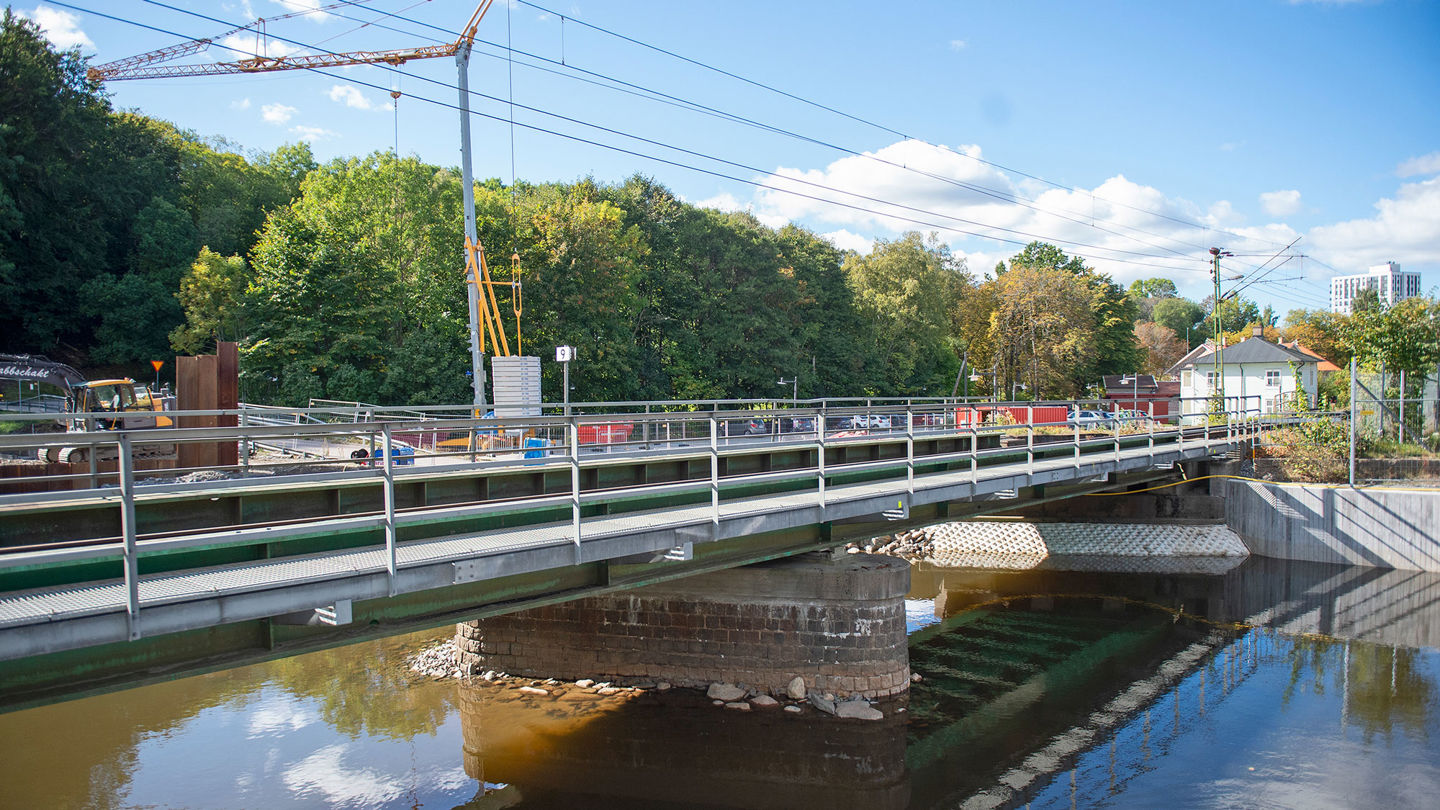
pixel 1142 393
pixel 1261 373
pixel 1388 281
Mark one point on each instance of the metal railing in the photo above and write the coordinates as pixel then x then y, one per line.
pixel 393 452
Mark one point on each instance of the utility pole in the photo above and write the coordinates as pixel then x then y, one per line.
pixel 1215 331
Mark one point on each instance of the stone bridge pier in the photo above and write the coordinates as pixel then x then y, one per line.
pixel 836 622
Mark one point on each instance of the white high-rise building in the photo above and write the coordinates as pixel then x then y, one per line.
pixel 1387 280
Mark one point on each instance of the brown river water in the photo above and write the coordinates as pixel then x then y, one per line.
pixel 1118 685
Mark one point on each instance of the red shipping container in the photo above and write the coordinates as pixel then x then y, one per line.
pixel 607 433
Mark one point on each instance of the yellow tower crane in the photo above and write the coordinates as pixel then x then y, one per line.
pixel 486 322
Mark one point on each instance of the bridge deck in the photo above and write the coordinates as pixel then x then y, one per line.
pixel 91 613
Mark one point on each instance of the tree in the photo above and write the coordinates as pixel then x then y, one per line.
pixel 210 296
pixel 1321 331
pixel 1147 292
pixel 52 234
pixel 1405 337
pixel 1235 314
pixel 1106 345
pixel 1181 316
pixel 1153 288
pixel 910 290
pixel 1162 348
pixel 1041 330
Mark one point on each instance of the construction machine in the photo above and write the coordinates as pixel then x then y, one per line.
pixel 118 404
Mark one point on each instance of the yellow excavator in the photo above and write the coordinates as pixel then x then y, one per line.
pixel 118 404
pixel 94 405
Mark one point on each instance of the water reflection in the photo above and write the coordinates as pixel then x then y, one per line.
pixel 573 749
pixel 1273 683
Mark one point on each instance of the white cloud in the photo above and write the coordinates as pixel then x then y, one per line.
pixel 243 46
pixel 846 240
pixel 350 96
pixel 724 201
pixel 60 27
pixel 324 772
pixel 277 113
pixel 312 134
pixel 1231 146
pixel 1405 228
pixel 242 104
pixel 958 44
pixel 1416 166
pixel 305 5
pixel 1281 203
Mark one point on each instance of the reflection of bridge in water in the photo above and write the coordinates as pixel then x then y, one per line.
pixel 1016 696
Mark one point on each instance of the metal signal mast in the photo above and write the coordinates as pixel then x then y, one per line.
pixel 485 319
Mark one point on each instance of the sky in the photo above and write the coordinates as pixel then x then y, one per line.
pixel 1134 134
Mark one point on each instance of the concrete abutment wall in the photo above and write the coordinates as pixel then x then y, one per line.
pixel 837 623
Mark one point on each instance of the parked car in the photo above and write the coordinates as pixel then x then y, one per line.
pixel 744 427
pixel 1097 419
pixel 797 424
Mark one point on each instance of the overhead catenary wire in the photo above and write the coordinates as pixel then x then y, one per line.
pixel 757 184
pixel 661 97
pixel 868 122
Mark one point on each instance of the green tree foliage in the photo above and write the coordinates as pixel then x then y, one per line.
pixel 210 295
pixel 346 277
pixel 1147 292
pixel 53 218
pixel 1235 315
pixel 1405 337
pixel 102 213
pixel 1153 288
pixel 1181 316
pixel 1082 349
pixel 1321 331
pixel 910 290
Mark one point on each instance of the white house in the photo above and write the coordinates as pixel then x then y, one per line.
pixel 1261 372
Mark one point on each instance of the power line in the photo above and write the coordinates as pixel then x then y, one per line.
pixel 871 123
pixel 651 94
pixel 923 223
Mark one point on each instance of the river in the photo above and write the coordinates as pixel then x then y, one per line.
pixel 1073 684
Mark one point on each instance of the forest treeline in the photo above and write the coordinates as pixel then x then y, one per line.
pixel 124 239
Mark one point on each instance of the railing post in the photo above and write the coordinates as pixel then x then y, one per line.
pixel 127 531
pixel 1077 434
pixel 910 451
pixel 244 445
pixel 389 494
pixel 1353 392
pixel 1030 441
pixel 974 448
pixel 572 425
pixel 820 457
pixel 714 475
pixel 1116 414
pixel 1151 429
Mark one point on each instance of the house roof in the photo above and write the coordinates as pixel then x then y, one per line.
pixel 1189 359
pixel 1325 365
pixel 1125 384
pixel 1254 350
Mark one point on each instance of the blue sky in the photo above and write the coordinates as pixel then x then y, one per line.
pixel 1161 128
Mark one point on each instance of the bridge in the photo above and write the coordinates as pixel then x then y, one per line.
pixel 127 568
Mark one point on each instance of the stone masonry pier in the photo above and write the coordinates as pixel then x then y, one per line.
pixel 837 623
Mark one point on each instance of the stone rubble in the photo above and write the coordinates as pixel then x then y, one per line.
pixel 440 661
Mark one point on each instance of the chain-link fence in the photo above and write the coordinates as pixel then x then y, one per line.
pixel 1388 433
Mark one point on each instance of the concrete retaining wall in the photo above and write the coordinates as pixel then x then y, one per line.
pixel 839 624
pixel 1379 527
